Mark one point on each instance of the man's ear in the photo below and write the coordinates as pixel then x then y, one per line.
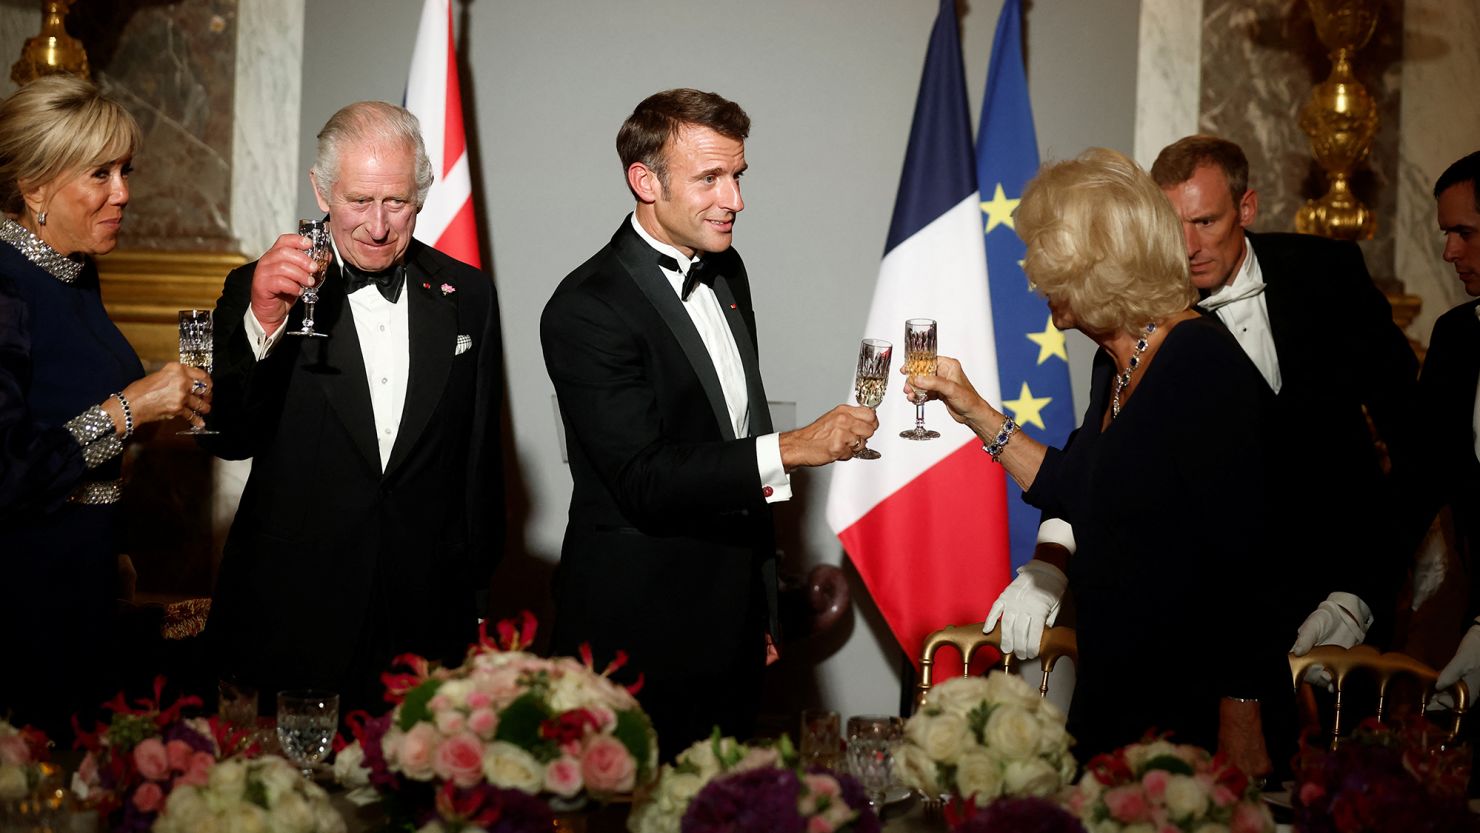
pixel 317 194
pixel 644 182
pixel 1248 207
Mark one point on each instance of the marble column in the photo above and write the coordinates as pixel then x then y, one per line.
pixel 1168 75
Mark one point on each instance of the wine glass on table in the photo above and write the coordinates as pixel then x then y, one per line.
pixel 919 360
pixel 870 381
pixel 306 721
pixel 872 742
pixel 197 349
pixel 316 236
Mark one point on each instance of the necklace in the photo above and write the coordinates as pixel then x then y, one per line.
pixel 1125 375
pixel 59 266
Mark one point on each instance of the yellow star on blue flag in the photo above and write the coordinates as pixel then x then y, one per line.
pixel 1050 342
pixel 1027 408
pixel 999 210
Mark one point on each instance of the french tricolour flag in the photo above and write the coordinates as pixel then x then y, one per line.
pixel 926 524
pixel 446 222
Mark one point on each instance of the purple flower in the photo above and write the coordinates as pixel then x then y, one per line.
pixel 522 813
pixel 755 801
pixel 1022 815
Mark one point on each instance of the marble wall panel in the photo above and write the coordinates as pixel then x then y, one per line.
pixel 1260 60
pixel 1168 72
pixel 19 20
pixel 173 65
pixel 266 169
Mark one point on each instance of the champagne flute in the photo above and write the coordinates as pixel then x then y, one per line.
pixel 870 381
pixel 316 235
pixel 872 742
pixel 197 349
pixel 306 721
pixel 919 360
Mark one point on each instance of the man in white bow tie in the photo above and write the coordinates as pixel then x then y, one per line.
pixel 374 508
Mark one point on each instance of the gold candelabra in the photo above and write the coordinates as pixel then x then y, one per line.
pixel 1340 118
pixel 53 50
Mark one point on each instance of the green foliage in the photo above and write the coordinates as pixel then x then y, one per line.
pixel 634 730
pixel 520 723
pixel 1169 763
pixel 414 707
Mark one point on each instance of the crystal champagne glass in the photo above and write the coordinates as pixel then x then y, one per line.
pixel 306 722
pixel 872 742
pixel 197 349
pixel 316 236
pixel 870 381
pixel 919 360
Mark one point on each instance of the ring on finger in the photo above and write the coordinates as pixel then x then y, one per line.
pixel 198 386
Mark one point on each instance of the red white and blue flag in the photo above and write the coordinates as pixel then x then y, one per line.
pixel 446 222
pixel 928 523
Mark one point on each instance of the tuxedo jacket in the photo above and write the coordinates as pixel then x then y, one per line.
pixel 1342 359
pixel 333 566
pixel 1450 473
pixel 669 553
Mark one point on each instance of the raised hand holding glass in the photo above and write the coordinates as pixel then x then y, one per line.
pixel 316 236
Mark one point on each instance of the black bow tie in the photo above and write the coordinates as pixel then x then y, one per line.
pixel 698 273
pixel 388 281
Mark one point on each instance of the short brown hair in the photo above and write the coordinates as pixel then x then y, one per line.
pixel 1462 171
pixel 1104 239
pixel 53 126
pixel 659 118
pixel 1178 161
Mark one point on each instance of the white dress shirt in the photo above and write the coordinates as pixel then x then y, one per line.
pixel 1240 304
pixel 704 310
pixel 385 345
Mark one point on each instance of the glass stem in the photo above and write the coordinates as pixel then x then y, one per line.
pixel 308 313
pixel 920 417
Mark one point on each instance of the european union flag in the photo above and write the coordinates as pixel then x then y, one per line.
pixel 1032 365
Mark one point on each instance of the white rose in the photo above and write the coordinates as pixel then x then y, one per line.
pixel 227 781
pixel 327 819
pixel 506 765
pixel 1031 777
pixel 291 814
pixel 979 776
pixel 1053 739
pixel 1140 827
pixel 959 695
pixel 278 777
pixel 12 782
pixel 1003 687
pixel 349 767
pixel 456 690
pixel 433 826
pixel 917 770
pixel 943 737
pixel 681 789
pixel 247 818
pixel 1211 827
pixel 1185 797
pixel 1138 756
pixel 1012 732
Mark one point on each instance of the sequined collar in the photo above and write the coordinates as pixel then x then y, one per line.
pixel 56 264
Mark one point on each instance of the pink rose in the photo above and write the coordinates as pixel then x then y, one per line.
pixel 483 722
pixel 1249 818
pixel 13 751
pixel 1127 804
pixel 148 796
pixel 1223 796
pixel 1155 784
pixel 460 760
pixel 152 761
pixel 178 752
pixel 563 777
pixel 450 721
pixel 819 824
pixel 479 700
pixel 608 767
pixel 440 702
pixel 415 754
pixel 198 771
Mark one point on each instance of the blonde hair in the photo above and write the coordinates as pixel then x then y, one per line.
pixel 53 126
pixel 370 123
pixel 1103 239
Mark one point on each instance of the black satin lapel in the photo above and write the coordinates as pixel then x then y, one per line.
pixel 432 325
pixel 655 286
pixel 745 340
pixel 1285 318
pixel 339 366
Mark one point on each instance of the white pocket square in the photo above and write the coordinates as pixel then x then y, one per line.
pixel 464 344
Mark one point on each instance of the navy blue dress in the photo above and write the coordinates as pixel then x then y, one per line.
pixel 59 355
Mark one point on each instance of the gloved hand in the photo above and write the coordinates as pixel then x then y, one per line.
pixel 1465 665
pixel 1029 603
pixel 1342 619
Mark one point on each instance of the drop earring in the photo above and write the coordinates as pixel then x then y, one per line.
pixel 41 218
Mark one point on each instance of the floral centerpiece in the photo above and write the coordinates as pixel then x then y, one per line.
pixel 1157 786
pixel 23 751
pixel 265 793
pixel 721 784
pixel 1383 778
pixel 503 720
pixel 144 752
pixel 1027 814
pixel 980 738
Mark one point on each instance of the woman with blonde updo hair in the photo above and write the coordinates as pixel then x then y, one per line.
pixel 72 392
pixel 1167 550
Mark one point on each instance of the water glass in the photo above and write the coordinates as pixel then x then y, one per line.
pixel 237 704
pixel 822 739
pixel 872 742
pixel 306 722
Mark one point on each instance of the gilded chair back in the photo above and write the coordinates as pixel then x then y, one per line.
pixel 1056 644
pixel 1342 663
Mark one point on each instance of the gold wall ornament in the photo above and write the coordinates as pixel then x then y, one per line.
pixel 53 51
pixel 1340 118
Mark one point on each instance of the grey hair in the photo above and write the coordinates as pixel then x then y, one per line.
pixel 370 123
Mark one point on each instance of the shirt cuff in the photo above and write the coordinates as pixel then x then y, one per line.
pixel 1057 531
pixel 775 482
pixel 260 340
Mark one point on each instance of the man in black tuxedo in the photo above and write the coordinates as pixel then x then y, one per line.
pixel 1450 402
pixel 373 510
pixel 669 554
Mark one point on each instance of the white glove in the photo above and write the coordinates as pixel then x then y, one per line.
pixel 1465 665
pixel 1029 602
pixel 1342 619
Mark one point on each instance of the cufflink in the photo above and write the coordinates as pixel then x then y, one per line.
pixel 767 491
